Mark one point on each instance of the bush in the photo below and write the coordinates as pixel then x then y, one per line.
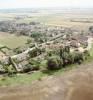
pixel 36 35
pixel 91 29
pixel 29 41
pixel 17 50
pixel 10 70
pixel 54 63
pixel 65 56
pixel 52 52
pixel 27 68
pixel 34 64
pixel 67 49
pixel 86 54
pixel 78 57
pixel 49 53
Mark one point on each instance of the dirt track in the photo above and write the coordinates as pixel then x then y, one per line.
pixel 76 84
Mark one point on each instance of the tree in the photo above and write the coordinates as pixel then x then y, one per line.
pixel 91 29
pixel 78 57
pixel 54 63
pixel 34 64
pixel 36 35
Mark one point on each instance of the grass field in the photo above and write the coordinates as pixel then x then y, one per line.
pixel 12 41
pixel 26 79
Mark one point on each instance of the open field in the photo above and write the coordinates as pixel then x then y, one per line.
pixel 12 41
pixel 73 85
pixel 53 17
pixel 62 20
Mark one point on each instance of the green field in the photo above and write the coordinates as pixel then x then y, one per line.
pixel 12 41
pixel 26 79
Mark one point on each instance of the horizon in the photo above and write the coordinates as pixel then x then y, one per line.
pixel 46 8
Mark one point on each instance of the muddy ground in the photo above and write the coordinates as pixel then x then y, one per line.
pixel 76 84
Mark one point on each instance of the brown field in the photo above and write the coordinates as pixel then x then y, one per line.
pixel 77 84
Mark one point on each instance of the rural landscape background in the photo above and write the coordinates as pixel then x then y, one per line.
pixel 46 52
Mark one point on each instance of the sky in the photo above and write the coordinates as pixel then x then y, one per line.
pixel 4 4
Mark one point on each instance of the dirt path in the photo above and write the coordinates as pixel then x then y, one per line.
pixel 76 84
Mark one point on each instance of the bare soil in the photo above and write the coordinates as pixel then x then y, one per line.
pixel 76 84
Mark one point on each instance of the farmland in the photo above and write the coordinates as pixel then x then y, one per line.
pixel 12 41
pixel 64 17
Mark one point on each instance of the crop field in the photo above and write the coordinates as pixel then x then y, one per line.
pixel 12 41
pixel 62 20
pixel 71 20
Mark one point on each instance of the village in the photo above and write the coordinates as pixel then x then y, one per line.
pixel 57 46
